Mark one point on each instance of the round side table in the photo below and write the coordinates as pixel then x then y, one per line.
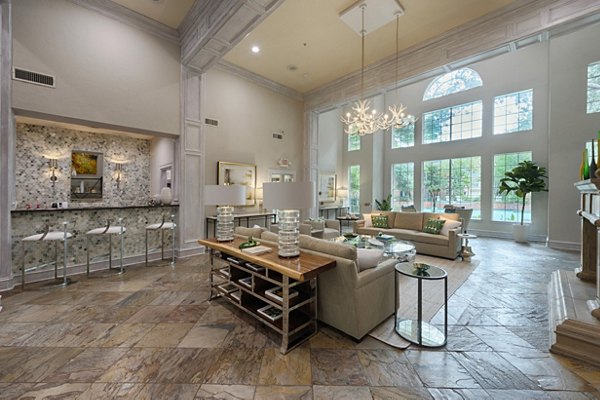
pixel 418 331
pixel 465 250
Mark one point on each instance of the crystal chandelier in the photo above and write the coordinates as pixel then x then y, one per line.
pixel 363 121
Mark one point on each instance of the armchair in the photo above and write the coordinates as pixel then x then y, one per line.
pixel 325 229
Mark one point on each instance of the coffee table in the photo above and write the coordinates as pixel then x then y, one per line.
pixel 402 250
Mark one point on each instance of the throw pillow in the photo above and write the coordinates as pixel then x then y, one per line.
pixel 367 219
pixel 379 221
pixel 368 258
pixel 434 226
pixel 449 224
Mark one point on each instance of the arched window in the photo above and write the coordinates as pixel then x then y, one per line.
pixel 452 82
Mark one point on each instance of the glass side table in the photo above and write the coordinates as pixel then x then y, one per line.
pixel 418 331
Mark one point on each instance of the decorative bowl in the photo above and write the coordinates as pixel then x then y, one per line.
pixel 350 235
pixel 421 267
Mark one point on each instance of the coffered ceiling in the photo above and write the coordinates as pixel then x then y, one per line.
pixel 304 43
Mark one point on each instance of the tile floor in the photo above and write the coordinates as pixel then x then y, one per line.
pixel 152 334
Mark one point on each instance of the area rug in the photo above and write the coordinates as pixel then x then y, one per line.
pixel 433 298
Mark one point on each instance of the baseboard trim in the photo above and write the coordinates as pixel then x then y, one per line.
pixel 506 235
pixel 561 245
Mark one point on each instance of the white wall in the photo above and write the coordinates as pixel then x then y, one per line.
pixel 162 153
pixel 248 116
pixel 570 128
pixel 105 71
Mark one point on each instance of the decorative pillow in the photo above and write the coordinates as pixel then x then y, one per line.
pixel 379 221
pixel 434 226
pixel 368 258
pixel 367 218
pixel 449 225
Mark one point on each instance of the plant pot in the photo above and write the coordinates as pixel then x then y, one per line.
pixel 520 233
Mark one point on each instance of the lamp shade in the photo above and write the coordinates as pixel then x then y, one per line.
pixel 226 195
pixel 289 195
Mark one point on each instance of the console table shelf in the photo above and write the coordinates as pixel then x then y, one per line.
pixel 256 283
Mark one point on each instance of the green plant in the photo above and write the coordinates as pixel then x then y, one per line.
pixel 525 178
pixel 385 204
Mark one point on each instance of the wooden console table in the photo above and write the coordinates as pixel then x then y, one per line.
pixel 285 289
pixel 239 218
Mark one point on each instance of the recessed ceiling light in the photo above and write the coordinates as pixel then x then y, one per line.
pixel 255 49
pixel 291 67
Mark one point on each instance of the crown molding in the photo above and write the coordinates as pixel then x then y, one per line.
pixel 129 17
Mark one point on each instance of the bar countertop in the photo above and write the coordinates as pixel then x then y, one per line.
pixel 29 210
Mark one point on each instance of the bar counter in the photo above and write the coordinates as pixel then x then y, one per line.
pixel 26 222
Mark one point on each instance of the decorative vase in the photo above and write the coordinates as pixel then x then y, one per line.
pixel 596 173
pixel 586 168
pixel 520 233
pixel 593 166
pixel 166 196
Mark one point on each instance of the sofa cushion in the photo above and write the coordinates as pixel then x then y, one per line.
pixel 408 220
pixel 379 221
pixel 254 232
pixel 368 221
pixel 422 237
pixel 449 225
pixel 327 247
pixel 434 225
pixel 368 258
pixel 270 236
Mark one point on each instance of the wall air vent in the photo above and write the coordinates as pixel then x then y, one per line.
pixel 36 78
pixel 278 136
pixel 211 121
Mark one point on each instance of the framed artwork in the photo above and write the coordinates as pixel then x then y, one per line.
pixel 230 173
pixel 326 187
pixel 282 175
pixel 86 164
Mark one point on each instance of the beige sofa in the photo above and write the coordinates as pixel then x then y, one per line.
pixel 350 300
pixel 409 226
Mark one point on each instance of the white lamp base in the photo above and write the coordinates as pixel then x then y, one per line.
pixel 224 224
pixel 289 233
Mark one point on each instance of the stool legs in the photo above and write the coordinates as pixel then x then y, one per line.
pixel 162 244
pixel 146 247
pixel 65 280
pixel 23 267
pixel 173 246
pixel 87 250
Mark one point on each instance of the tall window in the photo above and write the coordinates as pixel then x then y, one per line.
pixel 354 188
pixel 593 88
pixel 353 142
pixel 403 185
pixel 507 208
pixel 403 137
pixel 513 112
pixel 452 82
pixel 452 123
pixel 456 181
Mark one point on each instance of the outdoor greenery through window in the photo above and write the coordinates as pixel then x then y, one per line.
pixel 453 123
pixel 508 208
pixel 452 82
pixel 454 182
pixel 354 188
pixel 403 137
pixel 513 112
pixel 593 88
pixel 403 185
pixel 353 142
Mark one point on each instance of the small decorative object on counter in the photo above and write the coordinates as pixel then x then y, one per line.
pixel 585 166
pixel 166 195
pixel 249 243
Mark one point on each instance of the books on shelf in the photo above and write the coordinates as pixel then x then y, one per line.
pixel 247 281
pixel 255 268
pixel 257 250
pixel 270 312
pixel 236 295
pixel 228 287
pixel 276 294
pixel 234 260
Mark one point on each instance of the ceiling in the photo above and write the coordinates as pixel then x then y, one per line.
pixel 304 44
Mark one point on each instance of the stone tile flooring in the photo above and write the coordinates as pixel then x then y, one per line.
pixel 151 334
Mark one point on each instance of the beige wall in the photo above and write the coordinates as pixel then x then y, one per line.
pixel 248 116
pixel 106 71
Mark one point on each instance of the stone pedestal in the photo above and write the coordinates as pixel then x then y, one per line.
pixel 574 331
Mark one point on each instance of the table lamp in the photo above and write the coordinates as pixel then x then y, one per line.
pixel 289 198
pixel 224 197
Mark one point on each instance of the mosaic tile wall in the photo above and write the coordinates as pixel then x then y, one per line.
pixel 135 219
pixel 36 144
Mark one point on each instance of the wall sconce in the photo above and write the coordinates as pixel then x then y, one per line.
pixel 53 167
pixel 119 173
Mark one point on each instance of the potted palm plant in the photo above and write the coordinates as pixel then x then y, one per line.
pixel 525 178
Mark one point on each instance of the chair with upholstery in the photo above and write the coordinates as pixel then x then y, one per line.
pixel 162 227
pixel 325 229
pixel 410 208
pixel 106 230
pixel 47 235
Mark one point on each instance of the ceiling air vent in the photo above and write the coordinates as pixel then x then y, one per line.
pixel 36 78
pixel 277 136
pixel 211 122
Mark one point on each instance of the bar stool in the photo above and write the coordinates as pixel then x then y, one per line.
pixel 162 226
pixel 55 236
pixel 106 230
